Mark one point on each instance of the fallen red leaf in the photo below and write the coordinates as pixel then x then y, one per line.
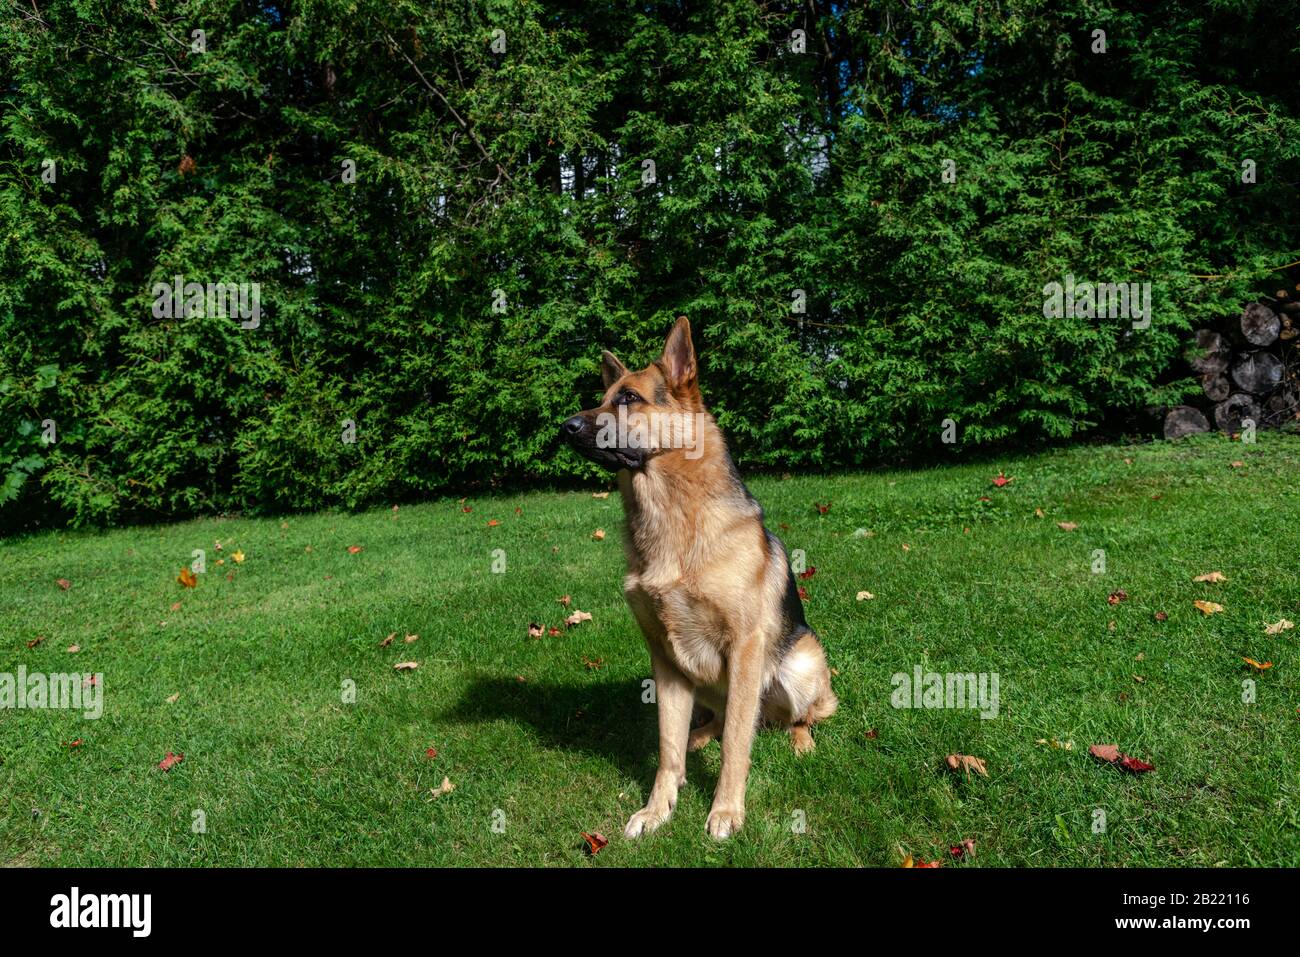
pixel 595 841
pixel 807 573
pixel 167 763
pixel 803 593
pixel 1135 765
pixel 823 508
pixel 1001 480
pixel 64 584
pixel 1111 754
pixel 353 549
pixel 963 848
pixel 187 577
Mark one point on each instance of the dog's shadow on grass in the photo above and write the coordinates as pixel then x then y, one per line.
pixel 608 720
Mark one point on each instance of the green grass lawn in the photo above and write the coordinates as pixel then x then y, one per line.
pixel 546 747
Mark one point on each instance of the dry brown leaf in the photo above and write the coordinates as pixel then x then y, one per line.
pixel 865 596
pixel 73 649
pixel 577 618
pixel 406 666
pixel 598 534
pixel 1208 607
pixel 446 787
pixel 388 641
pixel 1211 577
pixel 411 638
pixel 172 699
pixel 967 763
pixel 1066 526
pixel 600 495
pixel 564 600
pixel 535 630
pixel 1278 627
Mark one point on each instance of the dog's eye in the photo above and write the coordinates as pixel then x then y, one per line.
pixel 627 398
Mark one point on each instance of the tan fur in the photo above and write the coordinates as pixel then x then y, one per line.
pixel 706 585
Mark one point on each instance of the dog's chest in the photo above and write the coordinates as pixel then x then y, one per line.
pixel 691 630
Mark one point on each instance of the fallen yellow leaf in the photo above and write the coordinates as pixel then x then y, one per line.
pixel 1208 607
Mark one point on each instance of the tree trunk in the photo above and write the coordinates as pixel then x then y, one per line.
pixel 1257 372
pixel 1184 420
pixel 1260 325
pixel 1229 413
pixel 1210 354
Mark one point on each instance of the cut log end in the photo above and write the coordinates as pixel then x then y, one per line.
pixel 1260 324
pixel 1257 372
pixel 1184 420
pixel 1216 386
pixel 1211 353
pixel 1235 409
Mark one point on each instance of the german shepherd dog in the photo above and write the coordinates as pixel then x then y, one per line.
pixel 709 585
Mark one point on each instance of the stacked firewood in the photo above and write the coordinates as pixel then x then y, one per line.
pixel 1249 369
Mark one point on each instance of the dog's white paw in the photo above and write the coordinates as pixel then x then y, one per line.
pixel 724 823
pixel 646 820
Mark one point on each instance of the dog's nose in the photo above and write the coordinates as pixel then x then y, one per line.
pixel 572 426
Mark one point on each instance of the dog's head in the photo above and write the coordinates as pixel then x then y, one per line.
pixel 644 413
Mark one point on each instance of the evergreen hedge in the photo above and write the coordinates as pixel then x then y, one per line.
pixel 449 208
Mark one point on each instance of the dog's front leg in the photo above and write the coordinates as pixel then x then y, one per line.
pixel 676 697
pixel 744 688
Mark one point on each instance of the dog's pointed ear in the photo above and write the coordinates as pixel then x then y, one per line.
pixel 678 359
pixel 611 370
